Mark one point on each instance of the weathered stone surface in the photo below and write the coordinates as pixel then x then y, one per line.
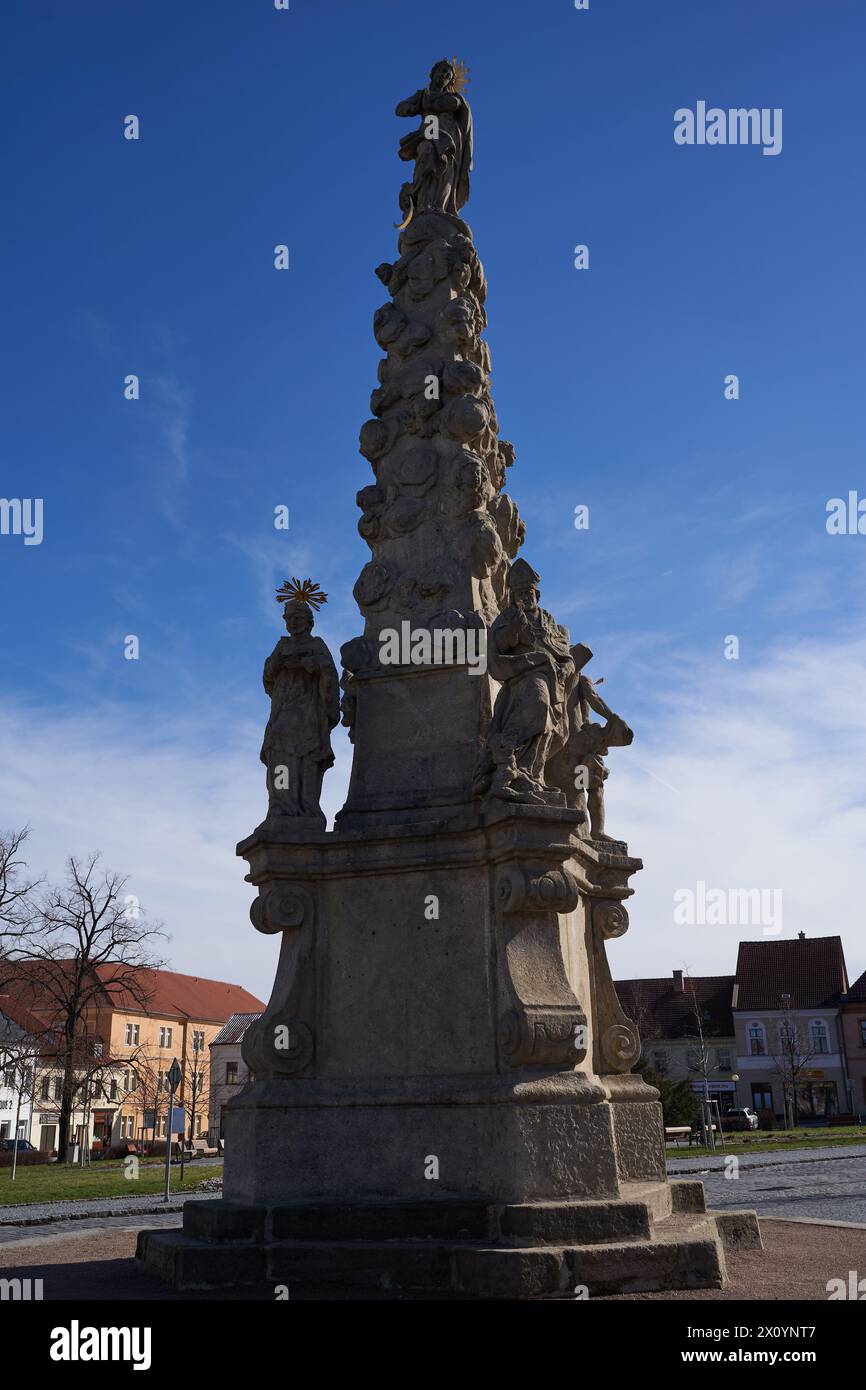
pixel 683 1261
pixel 190 1264
pixel 444 1249
pixel 687 1195
pixel 378 1221
pixel 739 1230
pixel 578 768
pixel 223 1221
pixel 393 1266
pixel 529 1274
pixel 575 1223
pixel 529 655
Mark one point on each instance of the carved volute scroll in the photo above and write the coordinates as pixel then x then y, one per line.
pixel 545 1025
pixel 618 1041
pixel 281 1043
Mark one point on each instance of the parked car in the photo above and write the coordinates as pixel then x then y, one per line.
pixel 24 1146
pixel 740 1119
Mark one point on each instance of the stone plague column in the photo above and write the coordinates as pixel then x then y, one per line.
pixel 442 1102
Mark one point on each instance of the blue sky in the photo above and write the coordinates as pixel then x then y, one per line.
pixel 706 515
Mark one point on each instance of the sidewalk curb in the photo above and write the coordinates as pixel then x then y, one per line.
pixel 148 1208
pixel 815 1221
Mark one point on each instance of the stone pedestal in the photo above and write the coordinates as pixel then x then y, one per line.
pixel 441 1104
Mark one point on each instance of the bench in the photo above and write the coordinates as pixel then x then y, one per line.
pixel 674 1133
pixel 202 1149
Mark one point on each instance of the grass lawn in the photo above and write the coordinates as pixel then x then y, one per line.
pixel 775 1140
pixel 53 1183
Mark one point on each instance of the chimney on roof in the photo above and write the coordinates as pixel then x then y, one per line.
pixel 678 981
pixel 801 936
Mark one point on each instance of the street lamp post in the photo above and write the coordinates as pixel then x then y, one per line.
pixel 174 1079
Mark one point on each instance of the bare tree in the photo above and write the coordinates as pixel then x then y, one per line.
pixel 701 1063
pixel 91 943
pixel 17 900
pixel 150 1086
pixel 196 1085
pixel 791 1056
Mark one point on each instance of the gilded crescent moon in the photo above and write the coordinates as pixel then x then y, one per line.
pixel 401 226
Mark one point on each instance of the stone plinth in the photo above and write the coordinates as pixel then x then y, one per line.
pixel 417 733
pixel 444 1062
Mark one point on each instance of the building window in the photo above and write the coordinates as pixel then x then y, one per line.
pixel 762 1097
pixel 58 1088
pixel 198 1040
pixel 112 1090
pixel 693 1059
pixel 9 1077
pixel 198 1126
pixel 45 1088
pixel 820 1037
pixel 132 1034
pixel 231 1073
pixel 660 1062
pixel 723 1059
pixel 814 1101
pixel 757 1040
pixel 165 1037
pixel 862 1023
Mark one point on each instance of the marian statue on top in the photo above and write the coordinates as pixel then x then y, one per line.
pixel 441 146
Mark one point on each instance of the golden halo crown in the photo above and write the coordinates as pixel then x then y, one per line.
pixel 301 591
pixel 461 75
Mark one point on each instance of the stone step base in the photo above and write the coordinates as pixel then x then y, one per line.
pixel 437 1269
pixel 531 1223
pixel 453 1250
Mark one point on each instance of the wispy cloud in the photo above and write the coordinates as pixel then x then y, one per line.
pixel 166 802
pixel 756 781
pixel 171 462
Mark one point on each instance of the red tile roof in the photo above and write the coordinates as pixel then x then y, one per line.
pixel 811 969
pixel 159 993
pixel 660 1010
pixel 172 995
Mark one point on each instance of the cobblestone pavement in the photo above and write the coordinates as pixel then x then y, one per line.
pixel 39 1213
pixel 62 1230
pixel 821 1190
pixel 770 1160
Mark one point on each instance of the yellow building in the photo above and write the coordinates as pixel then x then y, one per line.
pixel 130 1034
